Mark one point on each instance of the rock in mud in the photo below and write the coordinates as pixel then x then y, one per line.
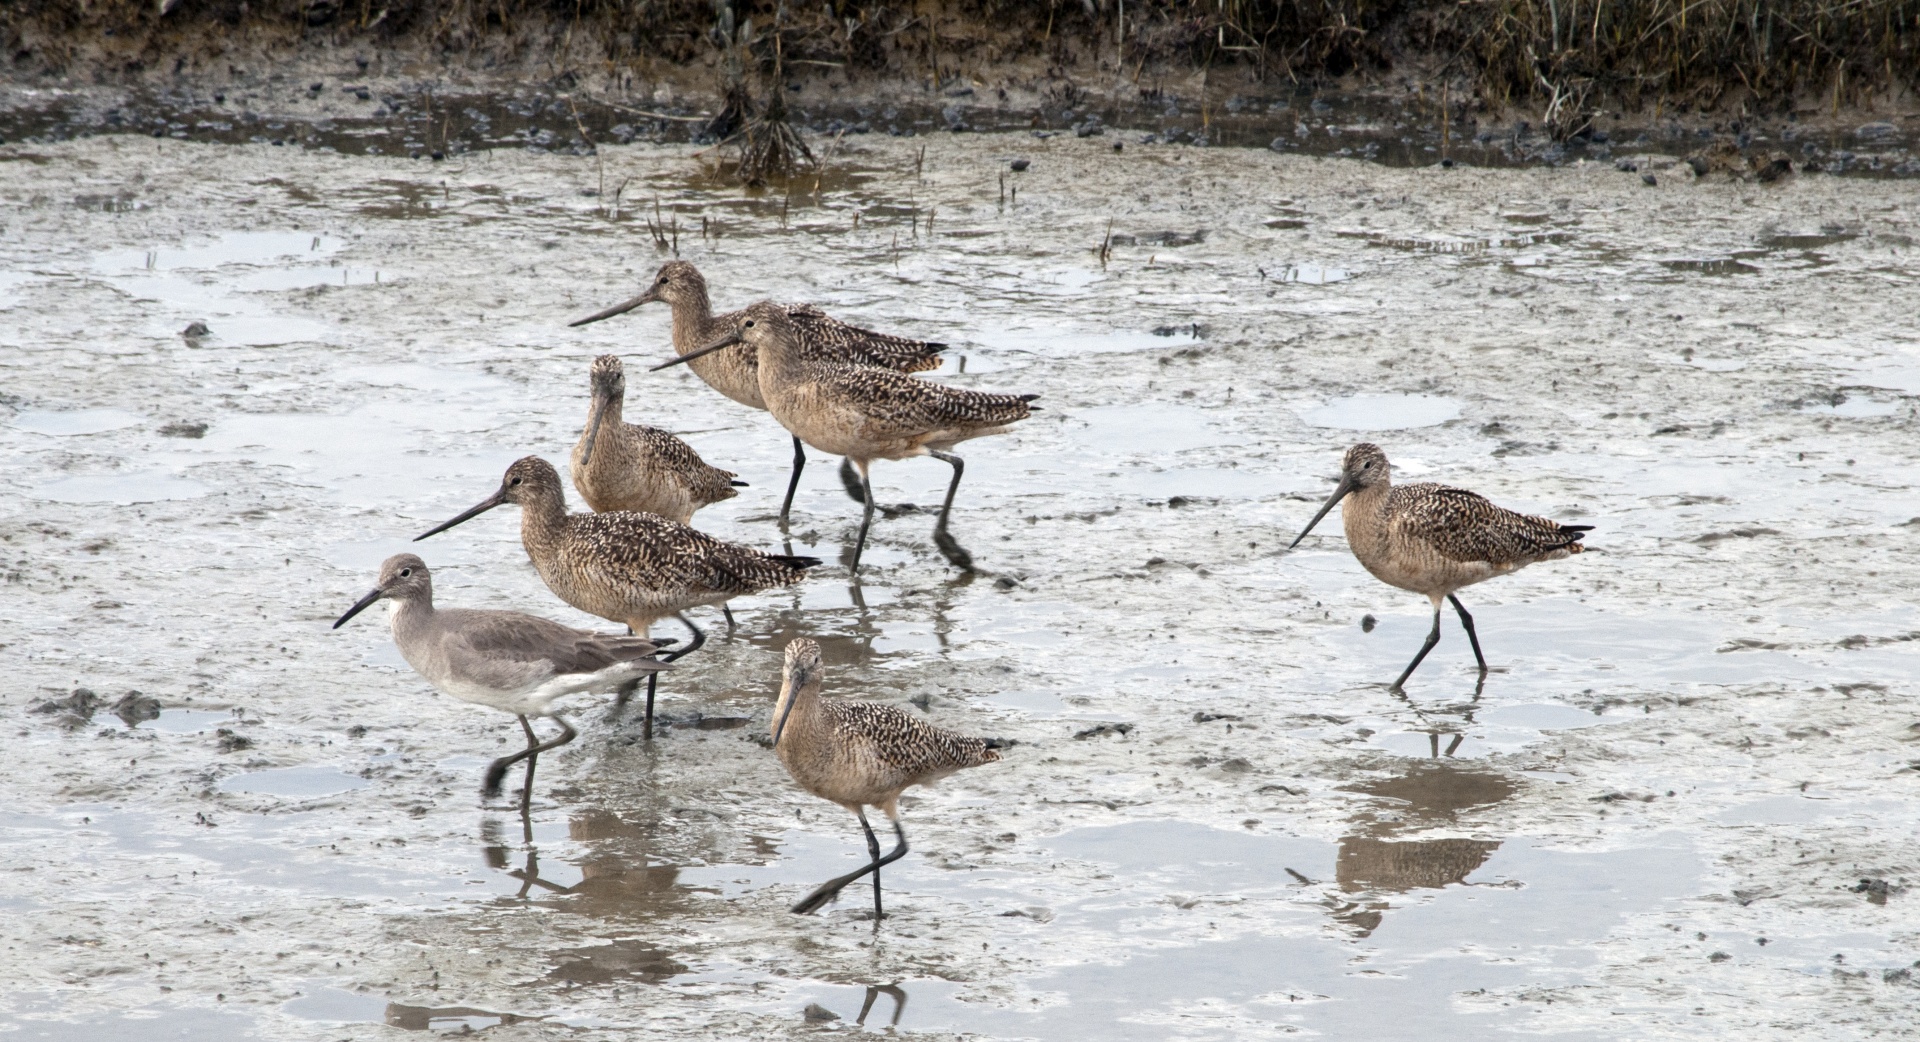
pixel 818 1014
pixel 184 429
pixel 72 711
pixel 232 742
pixel 1104 729
pixel 195 330
pixel 133 707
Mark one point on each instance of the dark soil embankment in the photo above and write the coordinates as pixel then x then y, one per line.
pixel 1521 78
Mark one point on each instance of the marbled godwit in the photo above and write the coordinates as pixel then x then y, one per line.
pixel 864 412
pixel 624 466
pixel 1435 539
pixel 731 373
pixel 860 754
pixel 519 664
pixel 628 567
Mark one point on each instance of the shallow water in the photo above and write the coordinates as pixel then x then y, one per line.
pixel 1696 738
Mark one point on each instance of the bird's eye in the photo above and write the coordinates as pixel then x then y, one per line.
pixel 515 481
pixel 404 572
pixel 664 280
pixel 750 324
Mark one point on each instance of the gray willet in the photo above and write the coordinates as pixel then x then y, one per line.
pixel 682 287
pixel 519 664
pixel 859 755
pixel 628 567
pixel 1435 539
pixel 866 413
pixel 625 466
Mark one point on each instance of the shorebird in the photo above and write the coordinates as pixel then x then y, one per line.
pixel 625 466
pixel 1435 539
pixel 821 337
pixel 519 664
pixel 628 567
pixel 866 413
pixel 859 755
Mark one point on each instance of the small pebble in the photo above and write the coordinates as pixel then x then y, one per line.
pixel 1019 165
pixel 1649 180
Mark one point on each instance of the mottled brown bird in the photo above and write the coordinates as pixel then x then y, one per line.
pixel 860 755
pixel 518 664
pixel 628 567
pixel 866 413
pixel 625 466
pixel 732 373
pixel 1436 539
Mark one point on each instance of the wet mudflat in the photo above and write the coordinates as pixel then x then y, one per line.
pixel 1681 806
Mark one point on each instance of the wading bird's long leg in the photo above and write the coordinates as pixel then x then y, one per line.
pixel 825 891
pixel 653 678
pixel 799 464
pixel 1472 637
pixel 866 519
pixel 873 851
pixel 1432 639
pixel 953 551
pixel 728 612
pixel 498 769
pixel 850 480
pixel 874 991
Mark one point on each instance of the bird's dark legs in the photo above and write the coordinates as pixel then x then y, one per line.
pixel 874 991
pixel 653 678
pixel 1472 637
pixel 1432 639
pixel 498 768
pixel 826 891
pixel 873 851
pixel 533 760
pixel 728 612
pixel 866 519
pixel 799 464
pixel 850 480
pixel 953 551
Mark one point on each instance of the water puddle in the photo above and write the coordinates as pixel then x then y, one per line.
pixel 1068 343
pixel 1368 938
pixel 1311 274
pixel 1382 412
pixel 189 721
pixel 73 421
pixel 226 283
pixel 134 487
pixel 145 1022
pixel 302 782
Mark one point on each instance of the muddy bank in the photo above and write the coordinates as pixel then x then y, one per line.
pixel 1741 89
pixel 1682 805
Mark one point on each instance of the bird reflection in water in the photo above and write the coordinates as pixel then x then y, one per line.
pixel 1375 860
pixel 616 879
pixel 462 1019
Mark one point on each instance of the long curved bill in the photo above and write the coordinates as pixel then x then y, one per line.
pixel 727 340
pixel 593 428
pixel 795 681
pixel 469 514
pixel 618 309
pixel 1339 492
pixel 358 606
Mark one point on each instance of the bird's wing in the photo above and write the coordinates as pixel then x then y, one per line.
pixel 1465 526
pixel 680 457
pixel 526 649
pixel 826 338
pixel 897 405
pixel 651 552
pixel 905 742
